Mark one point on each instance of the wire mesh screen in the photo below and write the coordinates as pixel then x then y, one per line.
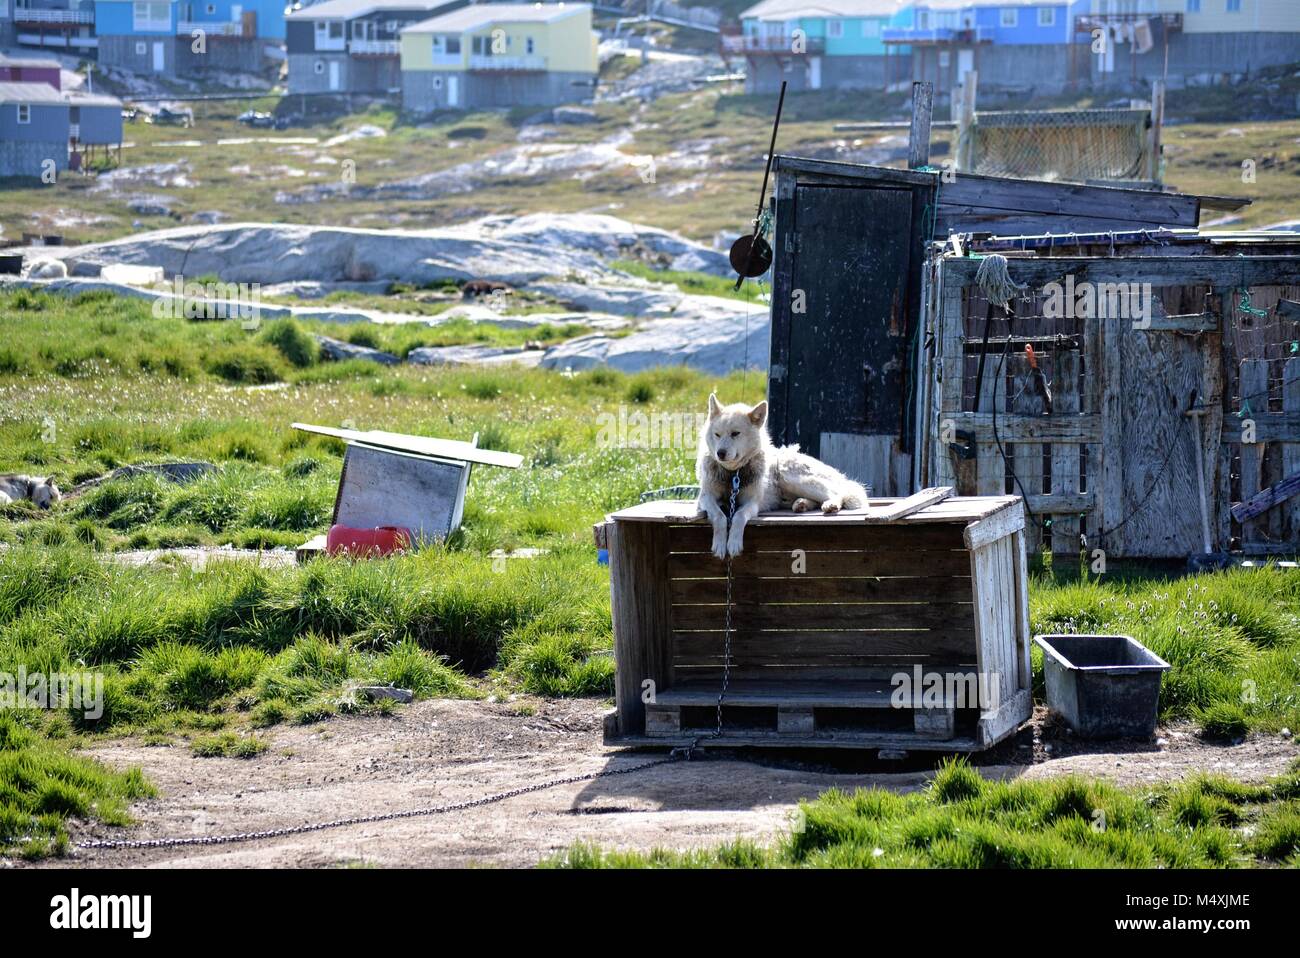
pixel 1076 145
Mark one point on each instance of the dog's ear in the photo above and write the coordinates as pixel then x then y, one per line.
pixel 758 415
pixel 715 407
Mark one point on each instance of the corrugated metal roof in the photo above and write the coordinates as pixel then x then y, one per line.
pixel 481 15
pixel 46 94
pixel 8 61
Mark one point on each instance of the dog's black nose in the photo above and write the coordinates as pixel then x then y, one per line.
pixel 722 455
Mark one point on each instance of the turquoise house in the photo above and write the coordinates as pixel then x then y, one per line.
pixel 816 44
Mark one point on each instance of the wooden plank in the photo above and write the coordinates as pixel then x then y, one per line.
pixel 778 380
pixel 420 445
pixel 994 727
pixel 1253 383
pixel 949 510
pixel 1269 426
pixel 865 459
pixel 990 468
pixel 803 588
pixel 1274 495
pixel 1291 450
pixel 794 721
pixel 912 504
pixel 1002 523
pixel 640 612
pixel 824 535
pixel 918 138
pixel 933 723
pixel 985 585
pixel 877 694
pixel 1066 455
pixel 1107 476
pixel 973 192
pixel 895 562
pixel 849 173
pixel 1024 670
pixel 837 738
pixel 663 720
pixel 823 648
pixel 1214 271
pixel 1033 428
pixel 806 615
pixel 600 534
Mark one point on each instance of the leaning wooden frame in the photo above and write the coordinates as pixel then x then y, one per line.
pixel 1210 359
pixel 902 627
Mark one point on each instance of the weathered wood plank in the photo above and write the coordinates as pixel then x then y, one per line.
pixel 995 726
pixel 1215 271
pixel 803 588
pixel 825 535
pixel 912 504
pixel 1253 383
pixel 1261 502
pixel 805 616
pixel 640 611
pixel 1291 450
pixel 1066 402
pixel 847 648
pixel 885 562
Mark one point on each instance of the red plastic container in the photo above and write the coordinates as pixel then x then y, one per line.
pixel 363 543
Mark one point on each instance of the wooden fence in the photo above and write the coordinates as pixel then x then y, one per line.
pixel 1110 459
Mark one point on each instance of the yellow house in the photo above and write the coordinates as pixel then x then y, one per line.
pixel 499 54
pixel 1215 16
pixel 1194 41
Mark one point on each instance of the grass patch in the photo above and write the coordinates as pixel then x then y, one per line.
pixel 963 820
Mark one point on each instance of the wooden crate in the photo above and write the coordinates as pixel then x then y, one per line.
pixel 827 613
pixel 386 487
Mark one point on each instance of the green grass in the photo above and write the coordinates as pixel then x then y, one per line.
pixel 208 655
pixel 963 820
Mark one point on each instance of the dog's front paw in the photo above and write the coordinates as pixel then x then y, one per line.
pixel 720 544
pixel 831 506
pixel 735 542
pixel 802 505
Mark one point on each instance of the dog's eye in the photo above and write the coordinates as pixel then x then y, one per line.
pixel 735 434
pixel 718 434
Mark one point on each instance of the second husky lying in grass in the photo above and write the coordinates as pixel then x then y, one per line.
pixel 734 442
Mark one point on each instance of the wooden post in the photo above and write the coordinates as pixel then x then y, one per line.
pixel 918 142
pixel 1253 384
pixel 640 610
pixel 1157 124
pixel 964 154
pixel 1065 455
pixel 1291 450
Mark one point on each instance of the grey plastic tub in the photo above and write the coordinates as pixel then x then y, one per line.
pixel 1104 686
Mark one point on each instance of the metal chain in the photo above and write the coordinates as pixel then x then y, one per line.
pixel 368 819
pixel 675 755
pixel 726 636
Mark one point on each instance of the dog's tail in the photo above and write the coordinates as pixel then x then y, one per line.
pixel 855 495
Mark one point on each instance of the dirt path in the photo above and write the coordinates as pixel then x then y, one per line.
pixel 446 751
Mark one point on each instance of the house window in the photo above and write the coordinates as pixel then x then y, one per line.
pixel 1234 6
pixel 24 113
pixel 336 30
pixel 453 45
pixel 528 45
pixel 149 15
pixel 945 58
pixel 871 28
pixel 318 66
pixel 835 29
pixel 211 8
pixel 1047 16
pixel 141 48
pixel 1010 17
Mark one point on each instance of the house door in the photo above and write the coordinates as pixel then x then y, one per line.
pixel 159 57
pixel 453 90
pixel 965 64
pixel 815 73
pixel 334 74
pixel 847 350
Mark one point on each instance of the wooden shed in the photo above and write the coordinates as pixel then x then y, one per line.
pixel 850 245
pixel 1210 377
pixel 902 627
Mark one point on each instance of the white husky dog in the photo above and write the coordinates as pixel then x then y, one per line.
pixel 734 442
pixel 43 492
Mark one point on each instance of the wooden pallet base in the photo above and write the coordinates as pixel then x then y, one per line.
pixel 863 714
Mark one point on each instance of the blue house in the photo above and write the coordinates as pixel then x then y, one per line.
pixel 183 37
pixel 41 127
pixel 1010 43
pixel 815 44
